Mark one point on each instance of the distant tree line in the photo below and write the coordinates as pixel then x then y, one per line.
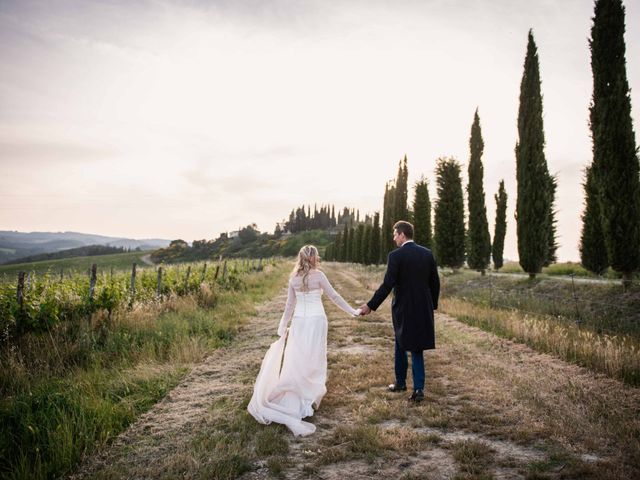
pixel 303 219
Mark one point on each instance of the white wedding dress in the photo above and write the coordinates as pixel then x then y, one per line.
pixel 294 370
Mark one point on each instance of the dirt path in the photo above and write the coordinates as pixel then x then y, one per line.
pixel 493 409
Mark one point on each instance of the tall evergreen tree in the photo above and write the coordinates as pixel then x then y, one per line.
pixel 534 205
pixel 327 252
pixel 422 215
pixel 449 234
pixel 353 245
pixel 344 255
pixel 497 249
pixel 337 251
pixel 374 243
pixel 615 160
pixel 357 248
pixel 593 250
pixel 401 211
pixel 386 235
pixel 364 246
pixel 479 253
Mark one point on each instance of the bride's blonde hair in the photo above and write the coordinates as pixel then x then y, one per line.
pixel 304 262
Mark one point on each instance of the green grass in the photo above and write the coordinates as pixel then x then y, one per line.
pixel 69 390
pixel 77 264
pixel 231 441
pixel 563 269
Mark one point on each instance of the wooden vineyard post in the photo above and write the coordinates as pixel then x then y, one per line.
pixel 20 297
pixel 224 271
pixel 159 288
pixel 204 270
pixel 133 281
pixel 186 279
pixel 92 282
pixel 215 276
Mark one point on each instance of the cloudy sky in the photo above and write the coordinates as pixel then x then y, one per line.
pixel 184 119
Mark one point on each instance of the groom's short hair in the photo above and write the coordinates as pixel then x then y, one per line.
pixel 404 227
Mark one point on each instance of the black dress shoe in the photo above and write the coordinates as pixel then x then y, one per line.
pixel 417 396
pixel 397 388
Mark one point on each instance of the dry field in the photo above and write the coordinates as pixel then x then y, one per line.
pixel 493 409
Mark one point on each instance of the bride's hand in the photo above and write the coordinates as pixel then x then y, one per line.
pixel 358 312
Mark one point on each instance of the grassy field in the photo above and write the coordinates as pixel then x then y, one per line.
pixel 79 264
pixel 604 308
pixel 494 408
pixel 72 389
pixel 593 325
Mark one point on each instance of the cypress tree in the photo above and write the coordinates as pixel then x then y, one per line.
pixel 353 245
pixel 401 211
pixel 366 243
pixel 374 243
pixel 337 251
pixel 360 232
pixel 615 162
pixel 497 249
pixel 449 235
pixel 422 215
pixel 344 255
pixel 534 205
pixel 593 250
pixel 327 252
pixel 479 253
pixel 386 242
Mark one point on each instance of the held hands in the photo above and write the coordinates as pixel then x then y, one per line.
pixel 364 309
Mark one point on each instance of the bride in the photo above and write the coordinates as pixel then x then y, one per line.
pixel 294 370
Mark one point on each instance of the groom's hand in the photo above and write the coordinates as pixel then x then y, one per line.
pixel 364 309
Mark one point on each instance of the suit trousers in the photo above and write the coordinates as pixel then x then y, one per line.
pixel 417 367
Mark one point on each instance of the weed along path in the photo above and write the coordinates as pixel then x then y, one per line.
pixel 493 409
pixel 163 443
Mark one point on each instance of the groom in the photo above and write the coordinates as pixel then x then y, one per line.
pixel 413 275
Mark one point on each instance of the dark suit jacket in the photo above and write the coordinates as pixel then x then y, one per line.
pixel 413 275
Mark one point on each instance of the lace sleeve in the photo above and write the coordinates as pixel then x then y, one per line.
pixel 335 296
pixel 288 310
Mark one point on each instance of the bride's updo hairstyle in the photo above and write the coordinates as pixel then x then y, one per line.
pixel 307 259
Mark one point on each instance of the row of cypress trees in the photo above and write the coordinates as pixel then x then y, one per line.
pixel 611 219
pixel 369 244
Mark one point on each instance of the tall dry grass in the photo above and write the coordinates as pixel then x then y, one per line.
pixel 615 355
